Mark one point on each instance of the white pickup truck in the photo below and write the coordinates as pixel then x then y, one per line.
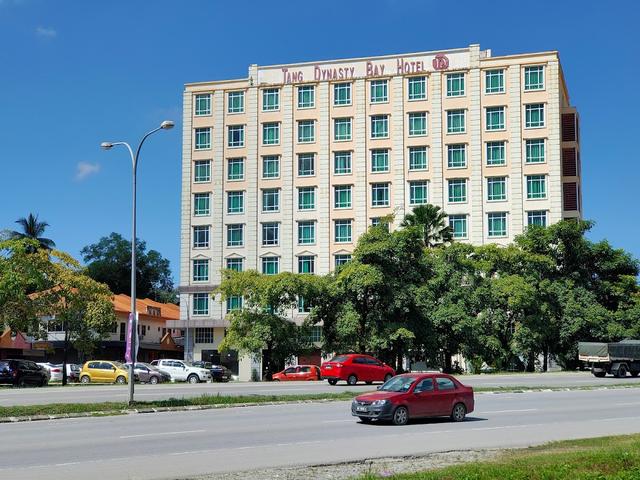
pixel 182 371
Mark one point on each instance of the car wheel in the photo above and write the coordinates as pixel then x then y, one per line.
pixel 153 380
pixel 121 380
pixel 459 412
pixel 44 382
pixel 352 380
pixel 599 374
pixel 22 383
pixel 400 416
pixel 622 371
pixel 276 379
pixel 85 379
pixel 387 377
pixel 634 374
pixel 365 419
pixel 332 381
pixel 193 378
pixel 368 383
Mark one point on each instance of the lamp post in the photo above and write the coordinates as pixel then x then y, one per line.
pixel 166 125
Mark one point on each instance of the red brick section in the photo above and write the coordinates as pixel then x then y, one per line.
pixel 569 162
pixel 569 127
pixel 570 195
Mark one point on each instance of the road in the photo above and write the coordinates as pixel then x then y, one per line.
pixel 103 393
pixel 182 444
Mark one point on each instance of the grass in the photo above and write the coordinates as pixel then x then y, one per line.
pixel 604 458
pixel 203 400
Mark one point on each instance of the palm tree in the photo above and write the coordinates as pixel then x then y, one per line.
pixel 33 229
pixel 431 219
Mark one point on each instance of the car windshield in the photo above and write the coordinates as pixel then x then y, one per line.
pixel 339 359
pixel 398 384
pixel 118 364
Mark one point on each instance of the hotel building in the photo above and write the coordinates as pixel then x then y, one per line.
pixel 285 169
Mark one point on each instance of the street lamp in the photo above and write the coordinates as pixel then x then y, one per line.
pixel 166 125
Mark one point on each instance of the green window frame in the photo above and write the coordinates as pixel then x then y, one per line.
pixel 316 333
pixel 202 171
pixel 235 202
pixel 203 104
pixel 270 199
pixel 235 235
pixel 536 187
pixel 200 270
pixel 455 85
pixel 495 118
pixel 379 91
pixel 235 102
pixel 457 155
pixel 270 99
pixel 306 165
pixel 203 138
pixel 270 265
pixel 458 226
pixel 380 160
pixel 342 94
pixel 534 115
pixel 234 303
pixel 306 131
pixel 235 137
pixel 306 96
pixel 418 192
pixel 417 124
pixel 341 258
pixel 496 188
pixel 456 121
pixel 494 81
pixel 417 87
pixel 418 159
pixel 236 264
pixel 201 204
pixel 342 231
pixel 306 232
pixel 306 264
pixel 271 133
pixel 537 217
pixel 497 224
pixel 306 198
pixel 235 169
pixel 200 304
pixel 379 126
pixel 270 234
pixel 534 78
pixel 305 307
pixel 342 196
pixel 496 153
pixel 201 234
pixel 270 166
pixel 342 129
pixel 534 151
pixel 341 163
pixel 380 194
pixel 457 188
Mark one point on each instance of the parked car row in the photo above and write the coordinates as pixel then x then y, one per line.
pixel 56 371
pixel 21 373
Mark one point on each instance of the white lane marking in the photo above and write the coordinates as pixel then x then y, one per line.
pixel 627 404
pixel 338 421
pixel 512 411
pixel 161 433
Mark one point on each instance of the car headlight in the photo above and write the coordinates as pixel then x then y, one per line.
pixel 379 403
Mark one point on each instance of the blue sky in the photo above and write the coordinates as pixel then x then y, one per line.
pixel 75 73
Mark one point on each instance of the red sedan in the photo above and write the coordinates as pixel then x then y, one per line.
pixel 299 373
pixel 354 368
pixel 414 395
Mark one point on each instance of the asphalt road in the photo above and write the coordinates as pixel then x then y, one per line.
pixel 103 393
pixel 182 444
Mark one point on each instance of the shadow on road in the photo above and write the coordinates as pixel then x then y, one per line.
pixel 427 421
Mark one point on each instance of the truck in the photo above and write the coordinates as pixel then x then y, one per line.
pixel 616 358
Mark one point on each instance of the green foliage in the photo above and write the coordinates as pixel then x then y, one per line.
pixel 33 229
pixel 432 223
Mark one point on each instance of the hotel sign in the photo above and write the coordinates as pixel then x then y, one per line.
pixel 345 70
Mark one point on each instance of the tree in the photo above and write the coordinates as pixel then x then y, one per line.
pixel 431 220
pixel 109 261
pixel 33 229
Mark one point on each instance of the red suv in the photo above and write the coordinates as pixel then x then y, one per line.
pixel 354 368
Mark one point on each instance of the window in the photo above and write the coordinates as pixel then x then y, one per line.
pixel 496 153
pixel 200 304
pixel 316 334
pixel 234 303
pixel 417 88
pixel 235 202
pixel 534 151
pixel 378 221
pixel 341 163
pixel 204 335
pixel 536 187
pixel 455 121
pixel 270 99
pixel 418 158
pixel 203 104
pixel 494 81
pixel 270 265
pixel 203 138
pixel 271 200
pixel 236 136
pixel 418 192
pixel 457 190
pixel 201 270
pixel 306 96
pixel 380 160
pixel 306 198
pixel 341 259
pixel 306 165
pixel 235 264
pixel 496 188
pixel 534 78
pixel 534 115
pixel 380 194
pixel 235 235
pixel 379 126
pixel 417 124
pixel 458 226
pixel 201 204
pixel 235 169
pixel 537 217
pixel 455 85
pixel 306 131
pixel 202 171
pixel 425 385
pixel 342 129
pixel 270 233
pixel 270 133
pixel 201 236
pixel 342 196
pixel 445 384
pixel 306 232
pixel 235 102
pixel 270 166
pixel 497 224
pixel 379 91
pixel 306 264
pixel 495 118
pixel 457 155
pixel 342 231
pixel 342 94
pixel 304 307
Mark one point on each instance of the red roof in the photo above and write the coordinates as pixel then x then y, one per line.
pixel 168 311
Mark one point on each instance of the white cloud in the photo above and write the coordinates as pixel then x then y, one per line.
pixel 46 32
pixel 86 169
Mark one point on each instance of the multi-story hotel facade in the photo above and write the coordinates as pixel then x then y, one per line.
pixel 285 169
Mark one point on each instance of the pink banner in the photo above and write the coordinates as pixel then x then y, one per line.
pixel 127 351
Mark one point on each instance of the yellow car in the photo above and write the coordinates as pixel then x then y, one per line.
pixel 102 371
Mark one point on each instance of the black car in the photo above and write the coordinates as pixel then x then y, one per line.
pixel 21 373
pixel 219 373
